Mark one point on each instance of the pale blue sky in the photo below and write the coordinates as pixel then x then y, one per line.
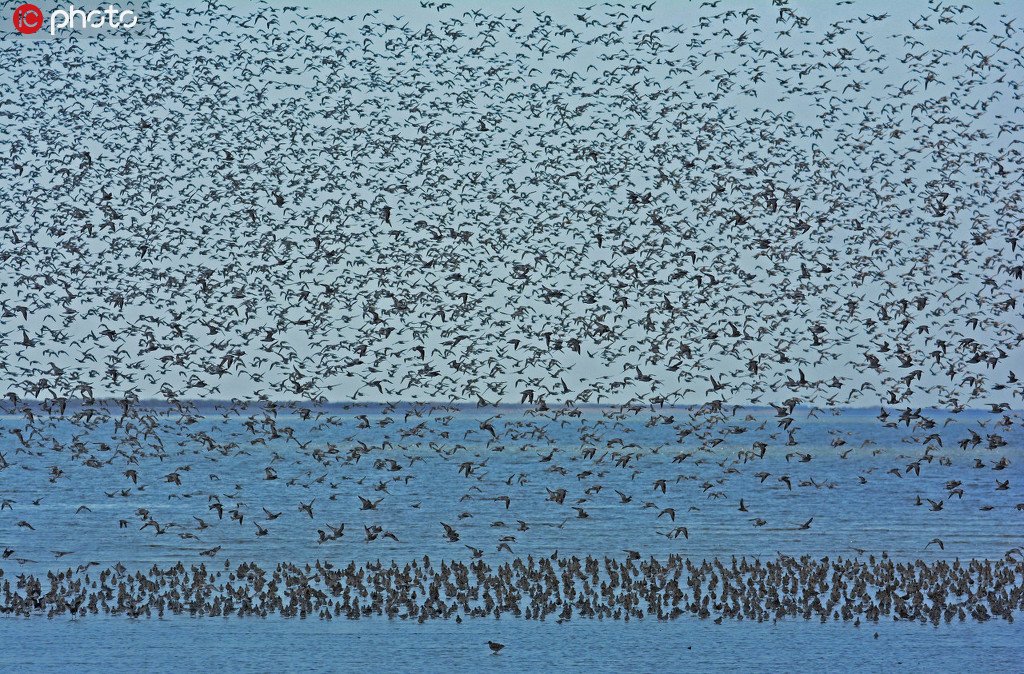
pixel 350 191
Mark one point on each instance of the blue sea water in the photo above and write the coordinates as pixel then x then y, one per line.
pixel 860 506
pixel 280 645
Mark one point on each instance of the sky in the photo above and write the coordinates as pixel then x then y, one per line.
pixel 357 188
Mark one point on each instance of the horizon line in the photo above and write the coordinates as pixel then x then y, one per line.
pixel 292 402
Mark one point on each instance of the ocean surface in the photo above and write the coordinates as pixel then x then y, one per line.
pixel 232 645
pixel 859 480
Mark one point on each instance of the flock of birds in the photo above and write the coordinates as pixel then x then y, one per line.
pixel 549 587
pixel 553 232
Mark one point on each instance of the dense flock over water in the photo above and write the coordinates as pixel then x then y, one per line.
pixel 502 330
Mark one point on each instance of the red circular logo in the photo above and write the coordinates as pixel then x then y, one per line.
pixel 28 19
